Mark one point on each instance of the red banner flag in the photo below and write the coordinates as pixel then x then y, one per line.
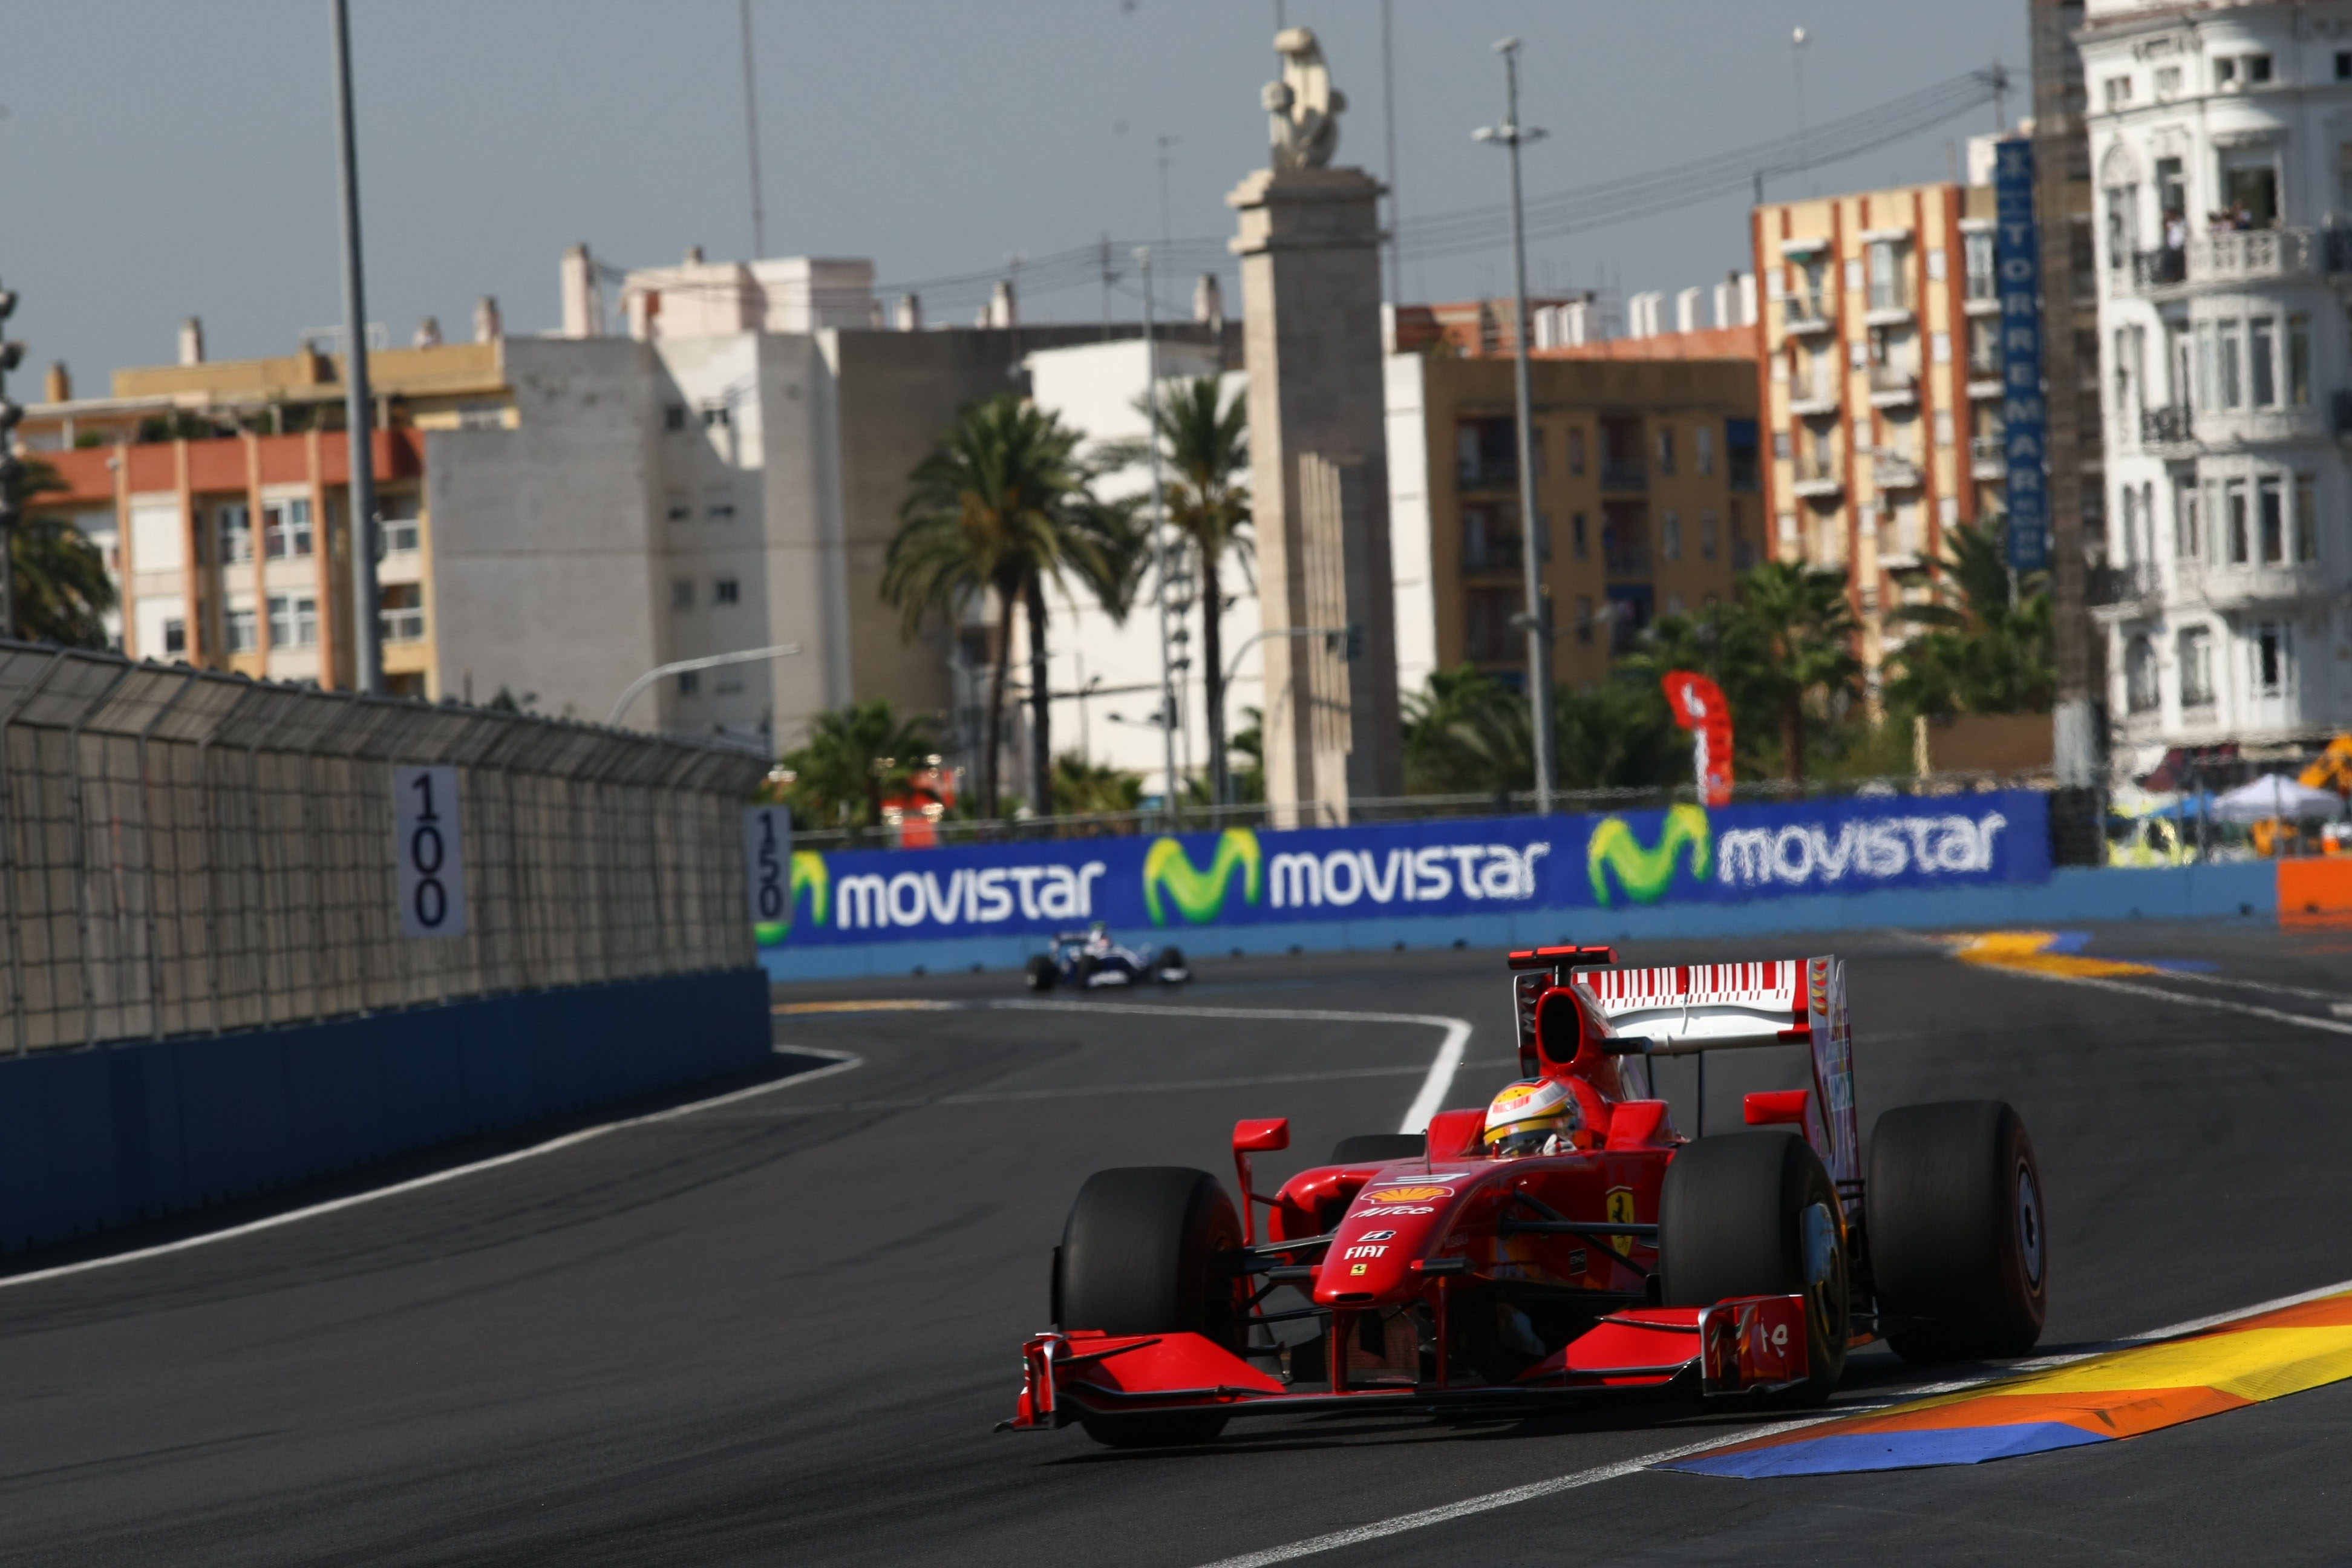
pixel 1700 708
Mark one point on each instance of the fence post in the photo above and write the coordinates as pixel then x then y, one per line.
pixel 88 966
pixel 9 869
pixel 147 859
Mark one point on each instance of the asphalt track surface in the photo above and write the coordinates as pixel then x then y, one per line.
pixel 780 1330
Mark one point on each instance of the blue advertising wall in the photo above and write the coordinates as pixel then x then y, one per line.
pixel 96 1139
pixel 1683 870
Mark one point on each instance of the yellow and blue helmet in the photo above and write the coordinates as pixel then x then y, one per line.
pixel 1526 1117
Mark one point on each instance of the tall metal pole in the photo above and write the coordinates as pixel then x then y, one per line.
pixel 1511 134
pixel 1158 540
pixel 367 672
pixel 751 136
pixel 1388 128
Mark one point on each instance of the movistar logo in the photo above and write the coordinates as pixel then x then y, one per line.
pixel 1643 873
pixel 1199 896
pixel 809 873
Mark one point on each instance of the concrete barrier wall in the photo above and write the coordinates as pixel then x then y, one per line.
pixel 2180 892
pixel 95 1138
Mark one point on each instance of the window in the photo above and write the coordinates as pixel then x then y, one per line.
pixel 2225 74
pixel 2307 518
pixel 1576 449
pixel 1578 542
pixel 2252 195
pixel 2118 91
pixel 1976 256
pixel 2197 668
pixel 681 593
pixel 2205 367
pixel 1886 290
pixel 2187 544
pixel 681 507
pixel 2172 196
pixel 719 511
pixel 1671 538
pixel 1666 449
pixel 1625 538
pixel 175 635
pixel 285 528
pixel 730 685
pixel 689 683
pixel 400 617
pixel 2343 65
pixel 2167 81
pixel 2140 690
pixel 2123 224
pixel 403 535
pixel 1488 635
pixel 2262 342
pixel 293 620
pixel 1620 454
pixel 2272 501
pixel 2240 541
pixel 2257 68
pixel 2125 547
pixel 2273 651
pixel 1583 619
pixel 674 416
pixel 1783 448
pixel 2298 361
pixel 1485 454
pixel 235 534
pixel 1706 532
pixel 244 632
pixel 1703 449
pixel 725 590
pixel 715 416
pixel 2226 364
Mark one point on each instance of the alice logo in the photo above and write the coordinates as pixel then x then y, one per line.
pixel 809 873
pixel 1199 896
pixel 1644 873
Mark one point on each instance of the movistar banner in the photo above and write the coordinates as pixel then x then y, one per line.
pixel 1241 876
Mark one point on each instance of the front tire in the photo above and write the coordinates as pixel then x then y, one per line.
pixel 1168 966
pixel 1139 1255
pixel 1957 1233
pixel 1733 1220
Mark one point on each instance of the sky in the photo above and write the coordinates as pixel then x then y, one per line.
pixel 160 160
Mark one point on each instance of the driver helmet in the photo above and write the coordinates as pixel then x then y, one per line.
pixel 1099 936
pixel 1537 1117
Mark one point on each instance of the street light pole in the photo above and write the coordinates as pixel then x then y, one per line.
pixel 1158 540
pixel 367 673
pixel 1511 134
pixel 745 655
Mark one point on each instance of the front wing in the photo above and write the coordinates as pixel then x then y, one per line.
pixel 1749 1346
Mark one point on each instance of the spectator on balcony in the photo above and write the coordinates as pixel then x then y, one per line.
pixel 2176 231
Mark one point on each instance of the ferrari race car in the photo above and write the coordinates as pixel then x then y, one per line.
pixel 1086 959
pixel 1566 1242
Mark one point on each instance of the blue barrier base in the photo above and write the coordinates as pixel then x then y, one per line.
pixel 91 1139
pixel 2173 892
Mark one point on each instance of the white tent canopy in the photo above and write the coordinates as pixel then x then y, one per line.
pixel 2276 795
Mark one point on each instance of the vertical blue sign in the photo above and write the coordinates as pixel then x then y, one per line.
pixel 2017 261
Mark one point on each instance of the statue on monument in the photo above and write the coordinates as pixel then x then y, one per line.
pixel 1305 107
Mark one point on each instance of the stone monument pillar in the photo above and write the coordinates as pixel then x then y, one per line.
pixel 1310 244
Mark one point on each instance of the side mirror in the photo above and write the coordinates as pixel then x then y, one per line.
pixel 1772 1106
pixel 1262 1136
pixel 1625 1046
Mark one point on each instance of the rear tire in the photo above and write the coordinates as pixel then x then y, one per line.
pixel 1731 1222
pixel 1082 971
pixel 1957 1233
pixel 1041 974
pixel 1380 1148
pixel 1139 1255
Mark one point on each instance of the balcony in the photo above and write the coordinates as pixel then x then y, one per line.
pixel 1470 474
pixel 1814 398
pixel 1817 480
pixel 2165 268
pixel 2124 590
pixel 1622 475
pixel 1805 318
pixel 1893 386
pixel 1894 471
pixel 1988 458
pixel 2167 426
pixel 1888 305
pixel 1484 552
pixel 2247 255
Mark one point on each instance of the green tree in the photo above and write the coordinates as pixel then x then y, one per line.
pixel 1787 646
pixel 1080 785
pixel 1205 445
pixel 1985 647
pixel 63 591
pixel 853 758
pixel 1466 733
pixel 1003 505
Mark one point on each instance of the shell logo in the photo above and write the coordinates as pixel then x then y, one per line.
pixel 1407 1195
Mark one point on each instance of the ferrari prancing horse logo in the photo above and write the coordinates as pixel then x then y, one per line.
pixel 1621 1211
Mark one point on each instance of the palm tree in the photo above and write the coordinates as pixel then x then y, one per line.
pixel 853 758
pixel 1204 444
pixel 63 591
pixel 1989 653
pixel 1081 785
pixel 1791 636
pixel 1001 506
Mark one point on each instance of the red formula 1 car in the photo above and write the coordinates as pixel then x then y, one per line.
pixel 1564 1242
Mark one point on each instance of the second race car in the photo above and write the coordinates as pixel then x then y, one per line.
pixel 1086 959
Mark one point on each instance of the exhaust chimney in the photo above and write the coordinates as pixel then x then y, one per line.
pixel 1209 302
pixel 488 327
pixel 57 387
pixel 911 312
pixel 584 301
pixel 191 341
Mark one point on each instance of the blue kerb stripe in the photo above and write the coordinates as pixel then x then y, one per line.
pixel 1830 1456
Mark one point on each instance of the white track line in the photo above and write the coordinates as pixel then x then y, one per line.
pixel 1378 1529
pixel 843 1062
pixel 1434 1086
pixel 2179 999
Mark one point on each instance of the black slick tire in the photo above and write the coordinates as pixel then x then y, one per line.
pixel 1168 966
pixel 1139 1256
pixel 1379 1148
pixel 1731 1222
pixel 1958 1240
pixel 1042 975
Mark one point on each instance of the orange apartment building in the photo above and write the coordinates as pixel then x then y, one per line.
pixel 1880 386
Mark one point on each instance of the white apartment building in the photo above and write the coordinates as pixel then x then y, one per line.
pixel 2222 150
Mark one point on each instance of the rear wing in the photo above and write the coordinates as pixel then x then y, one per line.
pixel 1695 1007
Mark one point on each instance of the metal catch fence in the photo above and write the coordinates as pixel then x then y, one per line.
pixel 183 851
